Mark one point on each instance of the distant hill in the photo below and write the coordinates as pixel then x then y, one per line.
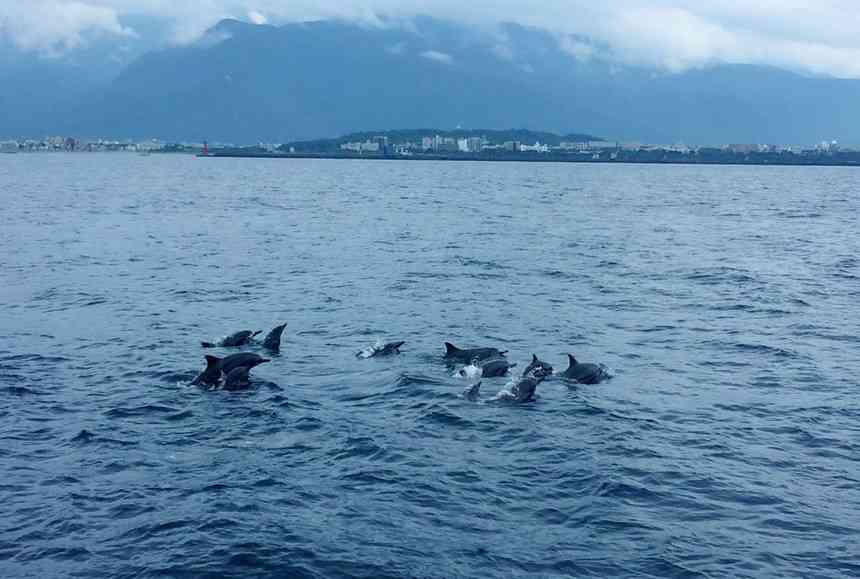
pixel 244 83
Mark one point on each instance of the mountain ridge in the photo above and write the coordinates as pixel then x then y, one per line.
pixel 247 83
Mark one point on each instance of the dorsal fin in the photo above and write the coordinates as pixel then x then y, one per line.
pixel 571 360
pixel 534 359
pixel 212 361
pixel 451 348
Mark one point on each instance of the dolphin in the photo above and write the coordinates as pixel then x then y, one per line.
pixel 273 339
pixel 524 390
pixel 495 368
pixel 584 373
pixel 233 340
pixel 473 370
pixel 237 379
pixel 473 392
pixel 537 363
pixel 452 352
pixel 380 349
pixel 216 366
pixel 389 349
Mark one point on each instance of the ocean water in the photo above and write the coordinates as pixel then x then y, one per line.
pixel 724 300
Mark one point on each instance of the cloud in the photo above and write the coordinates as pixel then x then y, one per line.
pixel 55 26
pixel 437 56
pixel 671 35
pixel 257 17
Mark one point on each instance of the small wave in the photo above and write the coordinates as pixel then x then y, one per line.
pixel 179 416
pixel 799 214
pixel 765 349
pixel 442 415
pixel 413 379
pixel 308 424
pixel 144 532
pixel 83 436
pixel 429 275
pixel 720 275
pixel 627 491
pixel 145 410
pixel 20 391
pixel 130 510
pixel 34 358
pixel 87 437
pixel 472 262
pixel 364 447
pixel 558 274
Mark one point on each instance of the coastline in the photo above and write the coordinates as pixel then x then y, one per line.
pixel 845 160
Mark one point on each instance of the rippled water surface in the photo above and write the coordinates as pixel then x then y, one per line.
pixel 724 299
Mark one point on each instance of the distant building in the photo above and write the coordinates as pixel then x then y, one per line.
pixel 447 144
pixel 677 148
pixel 743 149
pixel 536 148
pixel 358 147
pixel 382 144
pixel 599 145
pixel 9 147
pixel 427 143
pixel 568 146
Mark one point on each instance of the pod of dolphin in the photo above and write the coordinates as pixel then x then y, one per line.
pixel 233 372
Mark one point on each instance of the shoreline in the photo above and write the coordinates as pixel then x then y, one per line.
pixel 817 161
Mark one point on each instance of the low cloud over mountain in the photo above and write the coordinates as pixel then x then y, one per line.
pixel 244 82
pixel 675 35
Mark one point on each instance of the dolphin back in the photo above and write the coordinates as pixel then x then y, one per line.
pixel 585 373
pixel 211 374
pixel 451 350
pixel 247 360
pixel 273 338
pixel 237 379
pixel 391 348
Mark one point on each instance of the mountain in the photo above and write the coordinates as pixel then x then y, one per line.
pixel 37 90
pixel 245 83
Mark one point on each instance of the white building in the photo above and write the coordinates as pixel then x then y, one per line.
pixel 365 147
pixel 536 148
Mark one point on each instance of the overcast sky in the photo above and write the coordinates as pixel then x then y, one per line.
pixel 814 36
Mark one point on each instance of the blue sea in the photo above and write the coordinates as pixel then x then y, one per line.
pixel 724 301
